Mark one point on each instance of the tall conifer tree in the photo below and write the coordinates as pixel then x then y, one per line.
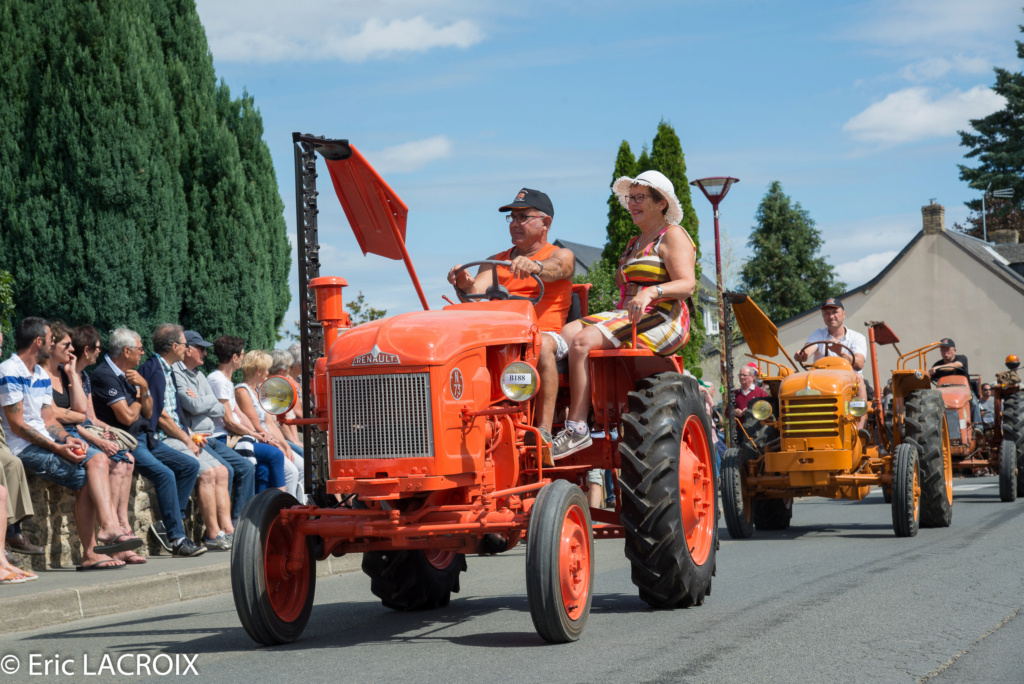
pixel 785 275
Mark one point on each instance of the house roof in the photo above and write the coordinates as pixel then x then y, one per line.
pixel 586 256
pixel 1012 252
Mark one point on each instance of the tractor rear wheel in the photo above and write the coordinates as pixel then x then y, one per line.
pixel 772 514
pixel 906 491
pixel 925 429
pixel 669 509
pixel 273 602
pixel 887 494
pixel 1013 431
pixel 1008 475
pixel 737 513
pixel 414 580
pixel 560 562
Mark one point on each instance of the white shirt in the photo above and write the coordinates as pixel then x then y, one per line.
pixel 223 389
pixel 851 338
pixel 33 389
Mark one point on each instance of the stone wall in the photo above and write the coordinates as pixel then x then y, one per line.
pixel 53 526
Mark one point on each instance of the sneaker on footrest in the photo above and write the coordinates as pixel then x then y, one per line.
pixel 568 441
pixel 160 532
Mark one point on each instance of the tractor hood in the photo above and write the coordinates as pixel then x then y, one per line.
pixel 829 381
pixel 428 338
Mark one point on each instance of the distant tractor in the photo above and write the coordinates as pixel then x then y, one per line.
pixel 421 449
pixel 997 447
pixel 804 440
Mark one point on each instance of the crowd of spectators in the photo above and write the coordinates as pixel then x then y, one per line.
pixel 92 422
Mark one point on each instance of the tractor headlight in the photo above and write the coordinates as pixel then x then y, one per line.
pixel 857 407
pixel 519 381
pixel 761 409
pixel 277 395
pixel 918 374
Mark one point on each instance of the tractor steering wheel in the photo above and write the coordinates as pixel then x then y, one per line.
pixel 815 344
pixel 496 290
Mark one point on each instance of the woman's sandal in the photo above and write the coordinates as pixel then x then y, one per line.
pixel 10 577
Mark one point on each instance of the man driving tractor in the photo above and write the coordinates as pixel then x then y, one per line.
pixel 952 363
pixel 529 220
pixel 838 340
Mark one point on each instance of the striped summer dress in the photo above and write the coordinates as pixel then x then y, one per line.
pixel 665 327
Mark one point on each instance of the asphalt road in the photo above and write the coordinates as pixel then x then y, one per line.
pixel 837 598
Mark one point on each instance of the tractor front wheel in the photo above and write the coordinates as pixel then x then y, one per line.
pixel 1008 475
pixel 925 429
pixel 906 491
pixel 737 513
pixel 669 508
pixel 414 580
pixel 273 589
pixel 560 562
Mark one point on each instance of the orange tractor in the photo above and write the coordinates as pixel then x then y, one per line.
pixel 804 440
pixel 997 446
pixel 417 452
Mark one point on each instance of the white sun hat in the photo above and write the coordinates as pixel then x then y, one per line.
pixel 653 179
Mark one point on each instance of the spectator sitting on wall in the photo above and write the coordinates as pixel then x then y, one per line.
pixel 69 408
pixel 168 424
pixel 201 410
pixel 19 501
pixel 45 448
pixel 255 369
pixel 234 427
pixel 281 363
pixel 9 572
pixel 123 400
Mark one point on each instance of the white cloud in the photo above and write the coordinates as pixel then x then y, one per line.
pixel 935 24
pixel 269 31
pixel 411 156
pixel 917 113
pixel 937 67
pixel 856 273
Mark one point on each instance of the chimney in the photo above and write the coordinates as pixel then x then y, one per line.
pixel 934 216
pixel 1003 237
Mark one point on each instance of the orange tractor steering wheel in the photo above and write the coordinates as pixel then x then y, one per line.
pixel 496 290
pixel 815 344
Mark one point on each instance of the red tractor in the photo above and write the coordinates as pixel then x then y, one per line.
pixel 417 452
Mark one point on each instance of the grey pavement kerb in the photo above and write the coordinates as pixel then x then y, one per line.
pixel 65 595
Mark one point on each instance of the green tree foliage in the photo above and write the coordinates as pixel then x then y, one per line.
pixel 784 274
pixel 360 312
pixel 666 156
pixel 133 189
pixel 998 144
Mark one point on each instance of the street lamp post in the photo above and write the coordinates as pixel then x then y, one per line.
pixel 715 189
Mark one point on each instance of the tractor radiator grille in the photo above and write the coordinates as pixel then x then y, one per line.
pixel 810 417
pixel 953 425
pixel 383 416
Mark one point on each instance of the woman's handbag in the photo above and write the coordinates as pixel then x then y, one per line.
pixel 124 439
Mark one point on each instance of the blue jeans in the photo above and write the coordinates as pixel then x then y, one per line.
pixel 54 468
pixel 173 475
pixel 269 464
pixel 241 474
pixel 297 448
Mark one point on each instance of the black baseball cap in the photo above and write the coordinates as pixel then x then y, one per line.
pixel 946 342
pixel 833 301
pixel 533 199
pixel 194 339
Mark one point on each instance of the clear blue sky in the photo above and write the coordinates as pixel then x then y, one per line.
pixel 852 106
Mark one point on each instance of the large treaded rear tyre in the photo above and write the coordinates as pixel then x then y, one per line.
pixel 1013 430
pixel 771 514
pixel 737 515
pixel 272 603
pixel 414 580
pixel 1008 474
pixel 560 562
pixel 669 509
pixel 925 428
pixel 906 491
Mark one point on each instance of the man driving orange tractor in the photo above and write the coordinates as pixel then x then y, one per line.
pixel 838 340
pixel 531 255
pixel 952 363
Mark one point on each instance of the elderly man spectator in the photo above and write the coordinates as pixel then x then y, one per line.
pixel 529 221
pixel 19 500
pixel 235 425
pixel 123 400
pixel 987 405
pixel 838 340
pixel 168 422
pixel 46 449
pixel 747 393
pixel 201 411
